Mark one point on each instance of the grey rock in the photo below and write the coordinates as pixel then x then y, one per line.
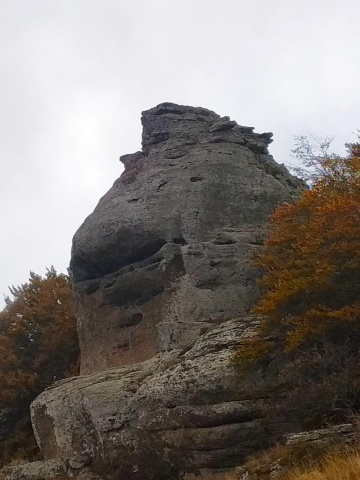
pixel 171 243
pixel 223 124
pixel 163 282
pixel 34 471
pixel 345 431
pixel 189 404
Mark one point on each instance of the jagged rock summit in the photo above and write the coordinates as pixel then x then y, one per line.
pixel 163 284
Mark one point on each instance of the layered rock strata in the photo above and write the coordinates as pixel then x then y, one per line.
pixel 163 284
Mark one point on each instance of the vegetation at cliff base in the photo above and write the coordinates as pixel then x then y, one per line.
pixel 311 294
pixel 302 462
pixel 334 467
pixel 38 345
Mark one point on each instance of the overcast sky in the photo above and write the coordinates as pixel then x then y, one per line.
pixel 76 74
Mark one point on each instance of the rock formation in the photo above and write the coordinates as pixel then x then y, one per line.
pixel 163 285
pixel 166 255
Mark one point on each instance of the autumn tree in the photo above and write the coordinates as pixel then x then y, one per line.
pixel 311 282
pixel 311 261
pixel 38 345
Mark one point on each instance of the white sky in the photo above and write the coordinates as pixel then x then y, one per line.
pixel 75 75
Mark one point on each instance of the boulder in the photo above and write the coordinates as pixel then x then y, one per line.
pixel 178 411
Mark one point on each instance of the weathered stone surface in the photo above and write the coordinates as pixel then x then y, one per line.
pixel 167 252
pixel 54 469
pixel 190 405
pixel 163 284
pixel 34 471
pixel 346 432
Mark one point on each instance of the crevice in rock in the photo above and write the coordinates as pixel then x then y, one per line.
pixel 217 139
pixel 196 179
pixel 136 318
pixel 139 255
pixel 214 263
pixel 136 294
pixel 92 288
pixel 257 243
pixel 131 320
pixel 159 137
pixel 225 241
pixel 161 186
pixel 225 420
pixel 208 285
pixel 175 155
pixel 179 240
pixel 83 270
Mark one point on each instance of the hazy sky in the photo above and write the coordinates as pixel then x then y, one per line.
pixel 75 75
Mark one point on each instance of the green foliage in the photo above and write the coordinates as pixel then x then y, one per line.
pixel 38 345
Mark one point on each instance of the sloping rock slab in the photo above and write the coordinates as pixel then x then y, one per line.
pixel 47 470
pixel 178 411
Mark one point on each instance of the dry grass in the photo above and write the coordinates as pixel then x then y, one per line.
pixel 256 463
pixel 333 467
pixel 285 458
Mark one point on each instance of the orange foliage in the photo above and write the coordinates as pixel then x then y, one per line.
pixel 311 261
pixel 38 344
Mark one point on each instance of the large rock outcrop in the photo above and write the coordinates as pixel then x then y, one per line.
pixel 166 254
pixel 163 285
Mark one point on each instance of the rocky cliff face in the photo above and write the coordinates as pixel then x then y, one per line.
pixel 166 255
pixel 163 284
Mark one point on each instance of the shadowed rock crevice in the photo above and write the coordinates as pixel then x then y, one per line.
pixel 82 269
pixel 134 288
pixel 179 240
